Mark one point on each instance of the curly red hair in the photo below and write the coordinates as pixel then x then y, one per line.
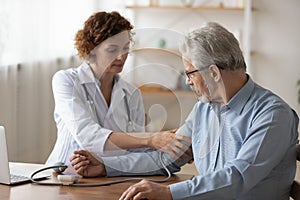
pixel 97 28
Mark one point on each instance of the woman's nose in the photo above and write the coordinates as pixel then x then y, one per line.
pixel 120 56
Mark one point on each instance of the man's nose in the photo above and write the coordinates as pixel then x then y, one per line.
pixel 188 81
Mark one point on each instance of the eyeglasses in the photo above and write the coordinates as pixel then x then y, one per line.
pixel 190 74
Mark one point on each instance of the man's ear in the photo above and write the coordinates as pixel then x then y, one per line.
pixel 215 73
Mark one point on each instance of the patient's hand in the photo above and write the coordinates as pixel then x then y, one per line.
pixel 86 165
pixel 174 144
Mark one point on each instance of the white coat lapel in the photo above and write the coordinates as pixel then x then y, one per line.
pixel 117 111
pixel 87 77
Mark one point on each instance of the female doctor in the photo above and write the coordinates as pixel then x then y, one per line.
pixel 95 109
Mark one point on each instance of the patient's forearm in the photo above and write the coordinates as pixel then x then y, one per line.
pixel 141 163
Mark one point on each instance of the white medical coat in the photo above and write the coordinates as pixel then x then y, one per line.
pixel 80 126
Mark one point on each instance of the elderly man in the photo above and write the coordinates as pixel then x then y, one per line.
pixel 243 136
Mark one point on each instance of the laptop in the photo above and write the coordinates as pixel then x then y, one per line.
pixel 9 175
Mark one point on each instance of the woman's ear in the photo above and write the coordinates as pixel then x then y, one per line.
pixel 92 53
pixel 215 73
pixel 92 56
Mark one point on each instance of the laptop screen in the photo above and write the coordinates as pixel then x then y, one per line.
pixel 4 165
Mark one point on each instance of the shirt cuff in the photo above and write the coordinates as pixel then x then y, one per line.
pixel 180 190
pixel 108 163
pixel 106 133
pixel 98 142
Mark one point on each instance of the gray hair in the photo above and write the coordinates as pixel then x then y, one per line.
pixel 213 45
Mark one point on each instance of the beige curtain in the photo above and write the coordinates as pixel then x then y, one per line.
pixel 34 31
pixel 26 108
pixel 8 102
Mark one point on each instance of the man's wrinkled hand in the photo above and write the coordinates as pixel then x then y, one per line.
pixel 147 190
pixel 86 165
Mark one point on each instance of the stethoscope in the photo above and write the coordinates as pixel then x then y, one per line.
pixel 71 180
pixel 92 107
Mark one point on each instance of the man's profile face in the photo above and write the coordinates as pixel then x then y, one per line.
pixel 196 81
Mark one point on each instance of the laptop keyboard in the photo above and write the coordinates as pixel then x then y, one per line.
pixel 17 178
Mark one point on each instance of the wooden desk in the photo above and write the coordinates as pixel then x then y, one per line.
pixel 42 192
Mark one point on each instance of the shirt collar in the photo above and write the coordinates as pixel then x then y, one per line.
pixel 121 84
pixel 85 74
pixel 238 101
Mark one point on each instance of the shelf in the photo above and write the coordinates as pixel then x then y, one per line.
pixel 168 93
pixel 219 8
pixel 153 90
pixel 164 50
pixel 171 51
pixel 245 10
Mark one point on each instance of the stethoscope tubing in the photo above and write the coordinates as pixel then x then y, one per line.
pixel 92 107
pixel 63 167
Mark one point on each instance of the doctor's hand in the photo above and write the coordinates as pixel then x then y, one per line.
pixel 86 165
pixel 173 144
pixel 147 190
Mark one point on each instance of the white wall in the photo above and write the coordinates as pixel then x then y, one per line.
pixel 35 30
pixel 277 43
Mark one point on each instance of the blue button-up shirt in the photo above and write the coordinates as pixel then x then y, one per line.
pixel 242 150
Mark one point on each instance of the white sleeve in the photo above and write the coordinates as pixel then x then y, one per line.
pixel 73 111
